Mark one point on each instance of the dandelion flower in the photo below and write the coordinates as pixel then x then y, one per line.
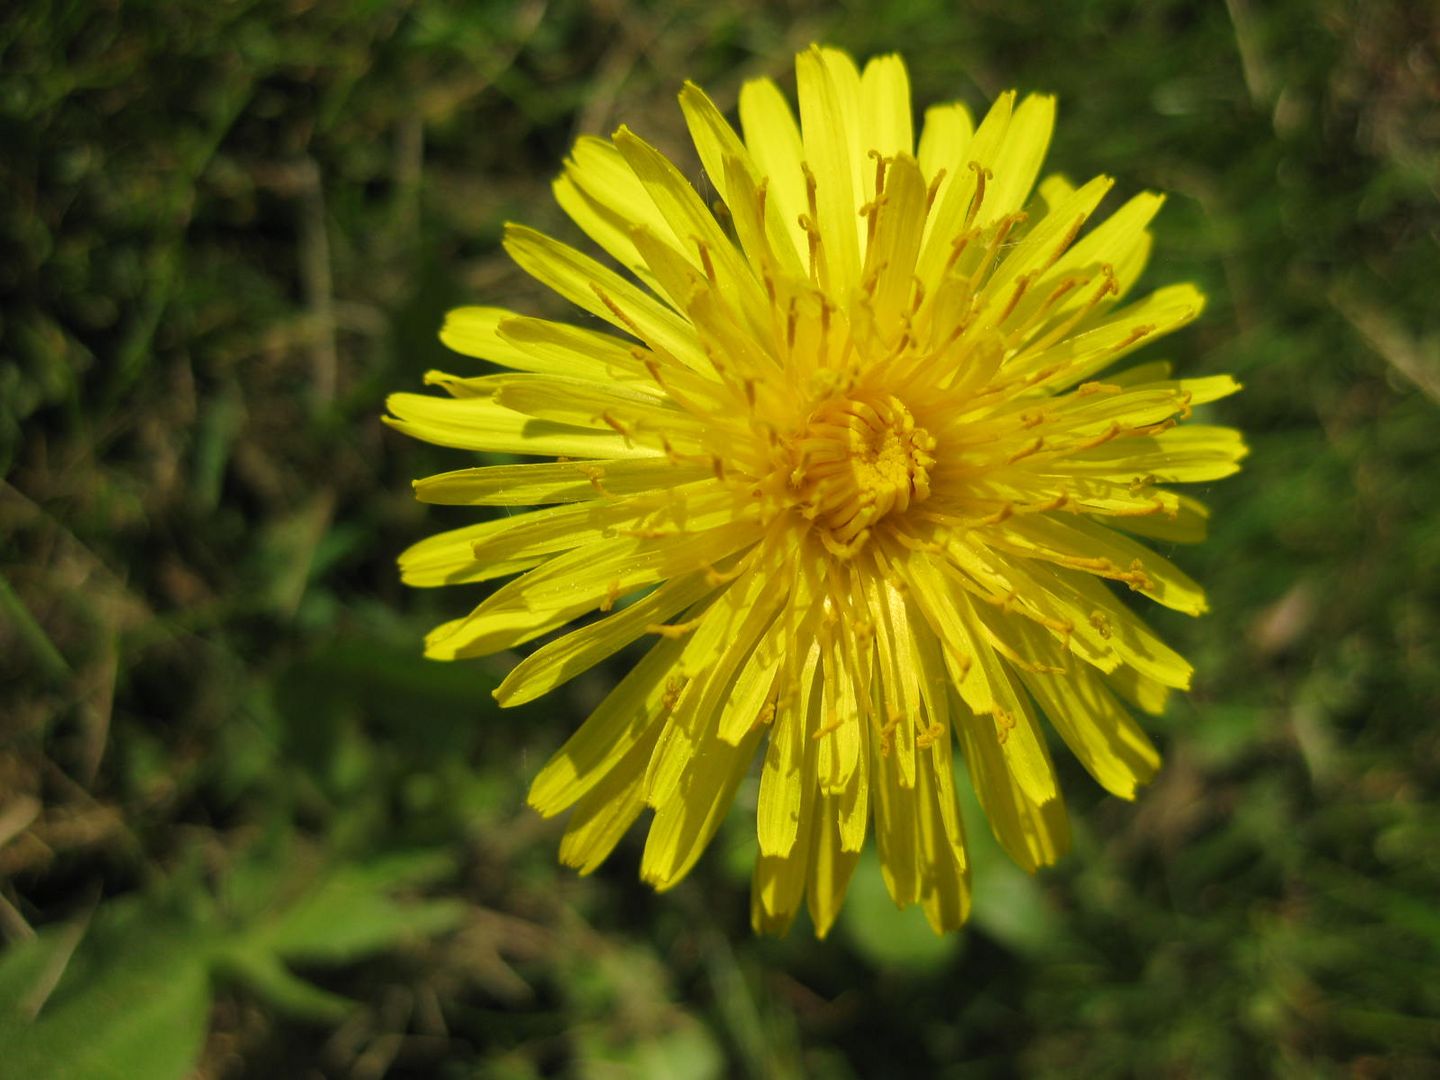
pixel 845 462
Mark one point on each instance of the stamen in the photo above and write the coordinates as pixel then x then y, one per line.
pixel 1109 433
pixel 919 295
pixel 930 736
pixel 764 716
pixel 933 190
pixel 981 175
pixel 674 631
pixel 810 223
pixel 812 236
pixel 617 310
pixel 594 473
pixel 652 367
pixel 627 431
pixel 717 578
pixel 1065 241
pixel 1021 454
pixel 705 259
pixel 881 163
pixel 1002 230
pixel 1024 282
pixel 612 593
pixel 674 687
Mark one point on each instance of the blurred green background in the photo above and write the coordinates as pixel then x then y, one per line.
pixel 245 830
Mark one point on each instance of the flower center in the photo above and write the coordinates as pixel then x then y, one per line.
pixel 859 459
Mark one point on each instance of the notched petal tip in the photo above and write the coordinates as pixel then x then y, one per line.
pixel 515 231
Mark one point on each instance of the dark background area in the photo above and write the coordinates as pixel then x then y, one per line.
pixel 245 830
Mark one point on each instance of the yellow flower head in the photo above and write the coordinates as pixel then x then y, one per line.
pixel 846 465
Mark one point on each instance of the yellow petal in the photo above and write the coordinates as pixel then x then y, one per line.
pixel 854 801
pixel 462 386
pixel 551 348
pixel 831 866
pixel 946 804
pixel 741 682
pixel 484 424
pixel 759 224
pixel 1120 240
pixel 604 224
pixel 1188 526
pixel 886 124
pixel 752 690
pixel 716 649
pixel 474 331
pixel 554 482
pixel 1094 610
pixel 613 201
pixel 945 892
pixel 714 138
pixel 899 670
pixel 606 811
pixel 1064 540
pixel 773 139
pixel 1096 727
pixel 694 225
pixel 842 724
pixel 579 403
pixel 1036 484
pixel 580 650
pixel 778 883
pixel 790 766
pixel 1144 693
pixel 987 686
pixel 1038 588
pixel 1017 162
pixel 628 716
pixel 1013 724
pixel 896 832
pixel 827 118
pixel 691 508
pixel 683 826
pixel 1189 454
pixel 1078 357
pixel 1148 372
pixel 890 258
pixel 1054 190
pixel 953 203
pixel 587 284
pixel 1044 243
pixel 945 144
pixel 1199 391
pixel 448 558
pixel 675 276
pixel 1034 834
pixel 579 581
